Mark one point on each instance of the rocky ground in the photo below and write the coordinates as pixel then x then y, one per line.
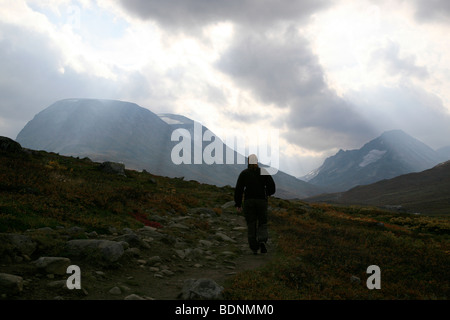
pixel 146 263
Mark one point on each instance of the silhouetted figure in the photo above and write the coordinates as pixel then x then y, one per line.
pixel 256 188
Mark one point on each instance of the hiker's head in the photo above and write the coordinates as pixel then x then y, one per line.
pixel 252 161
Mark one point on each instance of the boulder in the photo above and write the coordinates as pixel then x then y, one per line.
pixel 106 250
pixel 9 145
pixel 229 204
pixel 10 284
pixel 201 289
pixel 202 211
pixel 18 243
pixel 113 167
pixel 133 240
pixel 53 265
pixel 115 291
pixel 153 260
pixel 223 237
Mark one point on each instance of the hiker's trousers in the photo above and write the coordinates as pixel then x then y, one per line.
pixel 255 212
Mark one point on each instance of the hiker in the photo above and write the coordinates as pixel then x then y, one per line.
pixel 256 188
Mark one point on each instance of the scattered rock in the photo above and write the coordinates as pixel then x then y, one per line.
pixel 355 280
pixel 92 234
pixel 223 237
pixel 201 289
pixel 115 291
pixel 167 272
pixel 178 253
pixel 179 226
pixel 52 265
pixel 45 230
pixel 133 297
pixel 154 259
pixel 107 250
pixel 127 231
pixel 200 211
pixel 205 243
pixel 59 284
pixel 10 284
pixel 76 230
pixel 135 252
pixel 181 253
pixel 228 253
pixel 229 204
pixel 133 240
pixel 18 243
pixel 113 167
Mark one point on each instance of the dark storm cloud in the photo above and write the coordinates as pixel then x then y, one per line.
pixel 197 13
pixel 432 10
pixel 283 71
pixel 279 69
pixel 396 65
pixel 276 68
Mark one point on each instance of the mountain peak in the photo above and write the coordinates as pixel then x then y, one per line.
pixel 396 135
pixel 395 132
pixel 391 154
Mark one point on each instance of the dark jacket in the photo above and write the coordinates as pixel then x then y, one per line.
pixel 253 185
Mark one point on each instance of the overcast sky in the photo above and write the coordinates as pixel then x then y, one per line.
pixel 328 75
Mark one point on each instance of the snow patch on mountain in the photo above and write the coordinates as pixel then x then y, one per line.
pixel 170 120
pixel 372 156
pixel 310 175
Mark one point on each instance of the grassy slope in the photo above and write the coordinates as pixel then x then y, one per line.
pixel 426 192
pixel 320 246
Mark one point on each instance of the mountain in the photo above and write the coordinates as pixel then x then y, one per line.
pixel 110 130
pixel 101 130
pixel 392 154
pixel 425 192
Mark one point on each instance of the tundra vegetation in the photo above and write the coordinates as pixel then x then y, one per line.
pixel 322 251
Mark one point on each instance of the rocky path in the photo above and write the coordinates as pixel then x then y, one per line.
pixel 146 263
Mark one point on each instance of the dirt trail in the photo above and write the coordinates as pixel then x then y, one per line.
pixel 168 288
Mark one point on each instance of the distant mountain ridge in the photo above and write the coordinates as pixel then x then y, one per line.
pixel 426 192
pixel 110 130
pixel 392 154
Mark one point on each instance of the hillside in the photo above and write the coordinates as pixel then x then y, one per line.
pixel 392 154
pixel 158 232
pixel 119 131
pixel 426 192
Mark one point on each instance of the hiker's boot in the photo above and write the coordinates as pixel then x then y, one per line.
pixel 263 247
